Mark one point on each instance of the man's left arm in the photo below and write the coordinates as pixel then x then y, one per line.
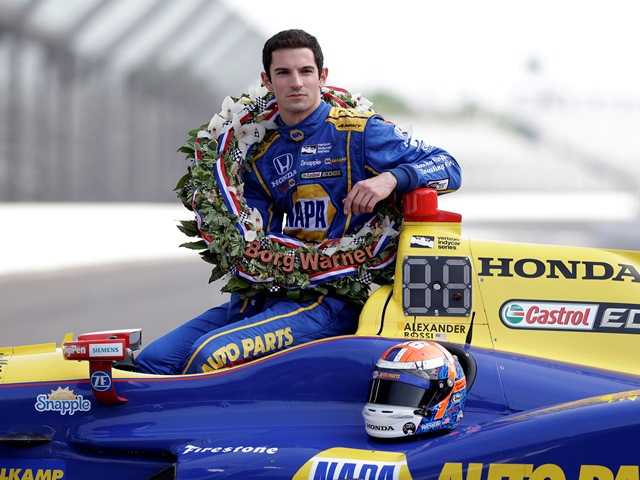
pixel 399 163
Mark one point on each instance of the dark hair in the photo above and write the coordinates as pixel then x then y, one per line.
pixel 291 39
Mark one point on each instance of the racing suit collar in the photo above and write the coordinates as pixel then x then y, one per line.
pixel 307 126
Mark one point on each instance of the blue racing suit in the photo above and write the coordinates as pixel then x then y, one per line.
pixel 302 173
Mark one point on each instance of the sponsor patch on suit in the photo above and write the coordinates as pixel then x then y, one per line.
pixel 321 174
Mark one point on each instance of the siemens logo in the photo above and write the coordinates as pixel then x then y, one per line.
pixel 567 269
pixel 105 349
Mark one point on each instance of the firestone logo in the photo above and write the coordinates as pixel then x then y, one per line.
pixel 549 315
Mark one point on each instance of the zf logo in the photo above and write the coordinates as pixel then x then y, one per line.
pixel 283 163
pixel 101 381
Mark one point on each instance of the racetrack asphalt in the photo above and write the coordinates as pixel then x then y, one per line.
pixel 155 295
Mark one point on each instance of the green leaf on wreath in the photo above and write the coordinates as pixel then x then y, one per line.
pixel 216 274
pixel 207 257
pixel 182 182
pixel 187 149
pixel 195 245
pixel 194 131
pixel 189 228
pixel 294 294
pixel 235 284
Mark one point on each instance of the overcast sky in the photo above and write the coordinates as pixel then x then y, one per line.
pixel 450 50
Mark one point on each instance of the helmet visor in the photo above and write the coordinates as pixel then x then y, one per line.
pixel 390 392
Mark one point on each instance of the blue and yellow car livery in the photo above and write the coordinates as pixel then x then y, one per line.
pixel 547 336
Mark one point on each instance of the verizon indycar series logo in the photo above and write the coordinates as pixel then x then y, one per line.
pixel 553 315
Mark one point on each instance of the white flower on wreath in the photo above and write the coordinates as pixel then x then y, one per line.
pixel 330 251
pixel 255 218
pixel 243 148
pixel 365 230
pixel 245 100
pixel 230 108
pixel 387 228
pixel 346 243
pixel 250 133
pixel 216 125
pixel 257 91
pixel 363 104
pixel 254 221
pixel 269 124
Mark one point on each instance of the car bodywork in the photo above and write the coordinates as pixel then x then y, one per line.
pixel 546 335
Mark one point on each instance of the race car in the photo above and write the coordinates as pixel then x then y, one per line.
pixel 546 336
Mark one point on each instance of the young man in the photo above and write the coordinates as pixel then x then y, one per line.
pixel 326 169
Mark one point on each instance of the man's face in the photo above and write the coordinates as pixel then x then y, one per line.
pixel 295 82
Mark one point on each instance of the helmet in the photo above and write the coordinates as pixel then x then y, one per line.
pixel 416 387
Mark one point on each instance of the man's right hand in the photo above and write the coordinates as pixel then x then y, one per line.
pixel 365 194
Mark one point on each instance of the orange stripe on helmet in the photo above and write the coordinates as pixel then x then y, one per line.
pixel 459 385
pixel 442 408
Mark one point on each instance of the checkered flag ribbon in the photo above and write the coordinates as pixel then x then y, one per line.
pixel 237 155
pixel 243 217
pixel 359 241
pixel 274 288
pixel 260 104
pixel 265 243
pixel 365 277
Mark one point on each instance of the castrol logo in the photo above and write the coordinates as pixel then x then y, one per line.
pixel 548 315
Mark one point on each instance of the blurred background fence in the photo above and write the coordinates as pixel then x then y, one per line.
pixel 96 95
